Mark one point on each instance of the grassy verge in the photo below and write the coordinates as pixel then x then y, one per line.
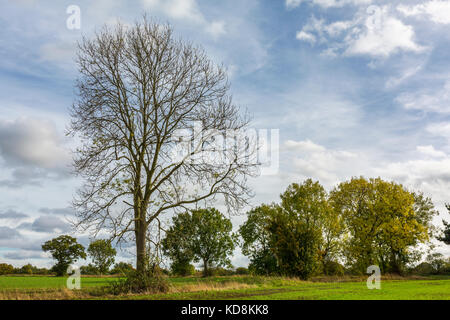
pixel 237 287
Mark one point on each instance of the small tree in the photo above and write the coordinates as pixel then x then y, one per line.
pixel 256 244
pixel 122 268
pixel 102 254
pixel 446 236
pixel 27 269
pixel 304 232
pixel 6 269
pixel 65 250
pixel 203 235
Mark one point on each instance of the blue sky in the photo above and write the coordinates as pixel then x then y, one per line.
pixel 356 87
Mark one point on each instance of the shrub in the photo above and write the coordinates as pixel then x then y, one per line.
pixel 122 268
pixel 241 271
pixel 89 270
pixel 182 269
pixel 138 282
pixel 423 268
pixel 219 271
pixel 6 269
pixel 26 269
pixel 333 268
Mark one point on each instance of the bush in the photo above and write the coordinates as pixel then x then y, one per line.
pixel 182 269
pixel 137 282
pixel 423 268
pixel 122 268
pixel 219 271
pixel 6 269
pixel 333 268
pixel 241 271
pixel 89 270
pixel 26 269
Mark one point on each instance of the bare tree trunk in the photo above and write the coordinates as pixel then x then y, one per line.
pixel 205 268
pixel 141 248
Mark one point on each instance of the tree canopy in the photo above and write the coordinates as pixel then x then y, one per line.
pixel 446 232
pixel 65 250
pixel 256 240
pixel 202 235
pixel 384 223
pixel 102 254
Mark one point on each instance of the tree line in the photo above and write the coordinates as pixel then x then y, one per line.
pixel 361 222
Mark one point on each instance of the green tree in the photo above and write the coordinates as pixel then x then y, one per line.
pixel 305 230
pixel 203 235
pixel 437 262
pixel 27 269
pixel 102 254
pixel 256 240
pixel 384 223
pixel 6 269
pixel 122 268
pixel 65 250
pixel 446 232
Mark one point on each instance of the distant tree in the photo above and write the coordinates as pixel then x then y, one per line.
pixel 241 271
pixel 102 254
pixel 122 268
pixel 446 234
pixel 384 223
pixel 27 269
pixel 6 269
pixel 203 235
pixel 90 269
pixel 437 262
pixel 182 268
pixel 256 241
pixel 65 250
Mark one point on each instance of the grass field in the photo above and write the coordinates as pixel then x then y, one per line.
pixel 236 287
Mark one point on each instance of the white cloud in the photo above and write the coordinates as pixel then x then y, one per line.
pixel 216 28
pixel 186 10
pixel 431 151
pixel 32 142
pixel 303 146
pixel 428 171
pixel 290 4
pixel 440 129
pixel 427 100
pixel 437 11
pixel 373 32
pixel 383 36
pixel 405 74
pixel 49 224
pixel 58 52
pixel 293 3
pixel 305 36
pixel 309 159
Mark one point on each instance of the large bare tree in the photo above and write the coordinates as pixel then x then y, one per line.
pixel 156 125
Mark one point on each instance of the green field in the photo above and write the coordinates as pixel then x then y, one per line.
pixel 242 287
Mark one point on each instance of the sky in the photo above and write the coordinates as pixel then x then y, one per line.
pixel 355 87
